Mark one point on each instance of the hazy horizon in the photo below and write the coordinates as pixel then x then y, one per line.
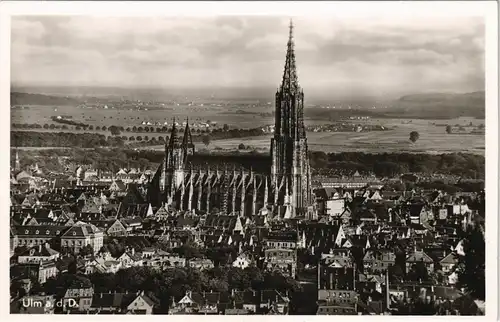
pixel 261 93
pixel 376 57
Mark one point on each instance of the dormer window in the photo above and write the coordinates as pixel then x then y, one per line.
pixel 26 231
pixel 37 232
pixel 57 232
pixel 47 232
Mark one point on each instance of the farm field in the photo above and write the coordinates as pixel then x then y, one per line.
pixel 129 118
pixel 372 142
pixel 107 133
pixel 433 139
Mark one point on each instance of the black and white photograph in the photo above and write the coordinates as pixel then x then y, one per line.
pixel 322 160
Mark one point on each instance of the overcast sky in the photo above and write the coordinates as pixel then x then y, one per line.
pixel 371 55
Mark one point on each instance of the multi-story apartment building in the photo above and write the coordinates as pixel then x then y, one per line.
pixel 81 235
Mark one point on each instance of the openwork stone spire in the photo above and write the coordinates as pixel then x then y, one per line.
pixel 187 140
pixel 290 81
pixel 290 170
pixel 174 139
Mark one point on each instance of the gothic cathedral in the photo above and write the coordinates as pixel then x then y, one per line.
pixel 211 183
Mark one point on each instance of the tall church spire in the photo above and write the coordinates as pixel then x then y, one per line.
pixel 290 81
pixel 289 152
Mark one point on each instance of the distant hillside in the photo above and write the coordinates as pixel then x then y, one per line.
pixel 440 97
pixel 440 105
pixel 419 106
pixel 39 99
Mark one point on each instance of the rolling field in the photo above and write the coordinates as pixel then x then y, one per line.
pixel 373 142
pixel 129 118
pixel 433 139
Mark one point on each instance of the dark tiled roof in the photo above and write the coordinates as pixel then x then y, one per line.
pixel 220 221
pixel 133 210
pixel 282 236
pixel 320 236
pixel 39 251
pixel 81 230
pixel 419 256
pixel 39 231
pixel 114 300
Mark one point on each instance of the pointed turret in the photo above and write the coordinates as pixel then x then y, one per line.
pixel 17 165
pixel 174 139
pixel 187 140
pixel 290 81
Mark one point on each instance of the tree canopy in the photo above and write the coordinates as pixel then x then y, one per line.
pixel 414 136
pixel 471 267
pixel 206 140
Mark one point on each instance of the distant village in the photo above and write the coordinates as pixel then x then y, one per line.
pixel 347 127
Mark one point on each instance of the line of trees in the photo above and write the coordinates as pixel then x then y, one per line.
pixel 382 165
pixel 60 139
pixel 65 139
pixel 394 164
pixel 68 122
pixel 78 140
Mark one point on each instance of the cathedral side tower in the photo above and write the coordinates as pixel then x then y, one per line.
pixel 175 162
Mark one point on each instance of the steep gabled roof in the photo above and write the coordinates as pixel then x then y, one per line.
pixel 419 256
pixel 41 250
pixel 451 258
pixel 81 229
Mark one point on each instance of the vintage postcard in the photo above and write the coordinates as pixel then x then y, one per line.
pixel 330 158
